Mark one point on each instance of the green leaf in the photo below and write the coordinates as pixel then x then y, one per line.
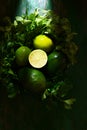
pixel 65 87
pixel 58 91
pixel 69 102
pixel 10 71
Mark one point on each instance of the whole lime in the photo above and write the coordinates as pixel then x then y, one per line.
pixel 21 55
pixel 32 79
pixel 55 62
pixel 43 42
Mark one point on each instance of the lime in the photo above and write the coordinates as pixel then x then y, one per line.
pixel 21 55
pixel 38 58
pixel 43 42
pixel 55 62
pixel 32 79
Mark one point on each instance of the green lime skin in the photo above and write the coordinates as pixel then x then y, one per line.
pixel 21 55
pixel 56 63
pixel 32 79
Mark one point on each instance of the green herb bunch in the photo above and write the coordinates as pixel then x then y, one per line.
pixel 22 32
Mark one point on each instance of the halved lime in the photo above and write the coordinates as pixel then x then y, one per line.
pixel 38 58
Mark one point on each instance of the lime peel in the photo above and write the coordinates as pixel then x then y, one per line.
pixel 21 55
pixel 43 42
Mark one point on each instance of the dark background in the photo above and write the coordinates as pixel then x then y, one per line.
pixel 27 113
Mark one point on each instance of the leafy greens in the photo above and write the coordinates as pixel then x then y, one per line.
pixel 22 32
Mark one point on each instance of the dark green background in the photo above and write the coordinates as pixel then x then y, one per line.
pixel 26 112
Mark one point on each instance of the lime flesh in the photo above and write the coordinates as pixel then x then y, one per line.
pixel 38 58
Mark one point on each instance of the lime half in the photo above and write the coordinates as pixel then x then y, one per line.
pixel 38 58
